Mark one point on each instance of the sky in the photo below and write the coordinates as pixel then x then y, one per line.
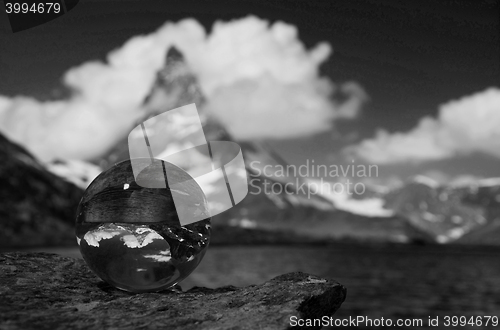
pixel 423 69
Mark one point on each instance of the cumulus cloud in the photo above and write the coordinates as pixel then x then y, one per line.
pixel 259 81
pixel 105 102
pixel 263 83
pixel 94 237
pixel 465 126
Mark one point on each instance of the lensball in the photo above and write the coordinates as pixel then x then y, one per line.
pixel 131 236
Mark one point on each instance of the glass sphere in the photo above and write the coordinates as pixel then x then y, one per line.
pixel 131 236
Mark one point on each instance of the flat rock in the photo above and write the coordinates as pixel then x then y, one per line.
pixel 48 291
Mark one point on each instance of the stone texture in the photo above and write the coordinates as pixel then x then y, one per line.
pixel 47 291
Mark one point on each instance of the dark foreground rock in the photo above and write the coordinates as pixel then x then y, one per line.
pixel 47 291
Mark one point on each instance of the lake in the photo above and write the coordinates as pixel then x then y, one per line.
pixel 382 280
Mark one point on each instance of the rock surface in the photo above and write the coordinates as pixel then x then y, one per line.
pixel 47 291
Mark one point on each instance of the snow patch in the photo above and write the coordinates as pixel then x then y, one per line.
pixel 426 181
pixel 78 172
pixel 243 223
pixel 370 207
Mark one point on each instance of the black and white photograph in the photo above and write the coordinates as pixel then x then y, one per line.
pixel 243 165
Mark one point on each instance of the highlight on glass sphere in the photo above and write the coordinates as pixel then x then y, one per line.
pixel 131 236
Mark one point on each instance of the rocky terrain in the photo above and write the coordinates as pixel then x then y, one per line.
pixel 47 291
pixel 461 214
pixel 36 206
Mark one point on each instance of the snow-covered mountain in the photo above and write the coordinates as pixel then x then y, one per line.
pixel 448 212
pixel 176 86
pixel 419 210
pixel 274 202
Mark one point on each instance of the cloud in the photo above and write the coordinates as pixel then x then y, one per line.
pixel 465 126
pixel 95 236
pixel 105 103
pixel 259 80
pixel 263 83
